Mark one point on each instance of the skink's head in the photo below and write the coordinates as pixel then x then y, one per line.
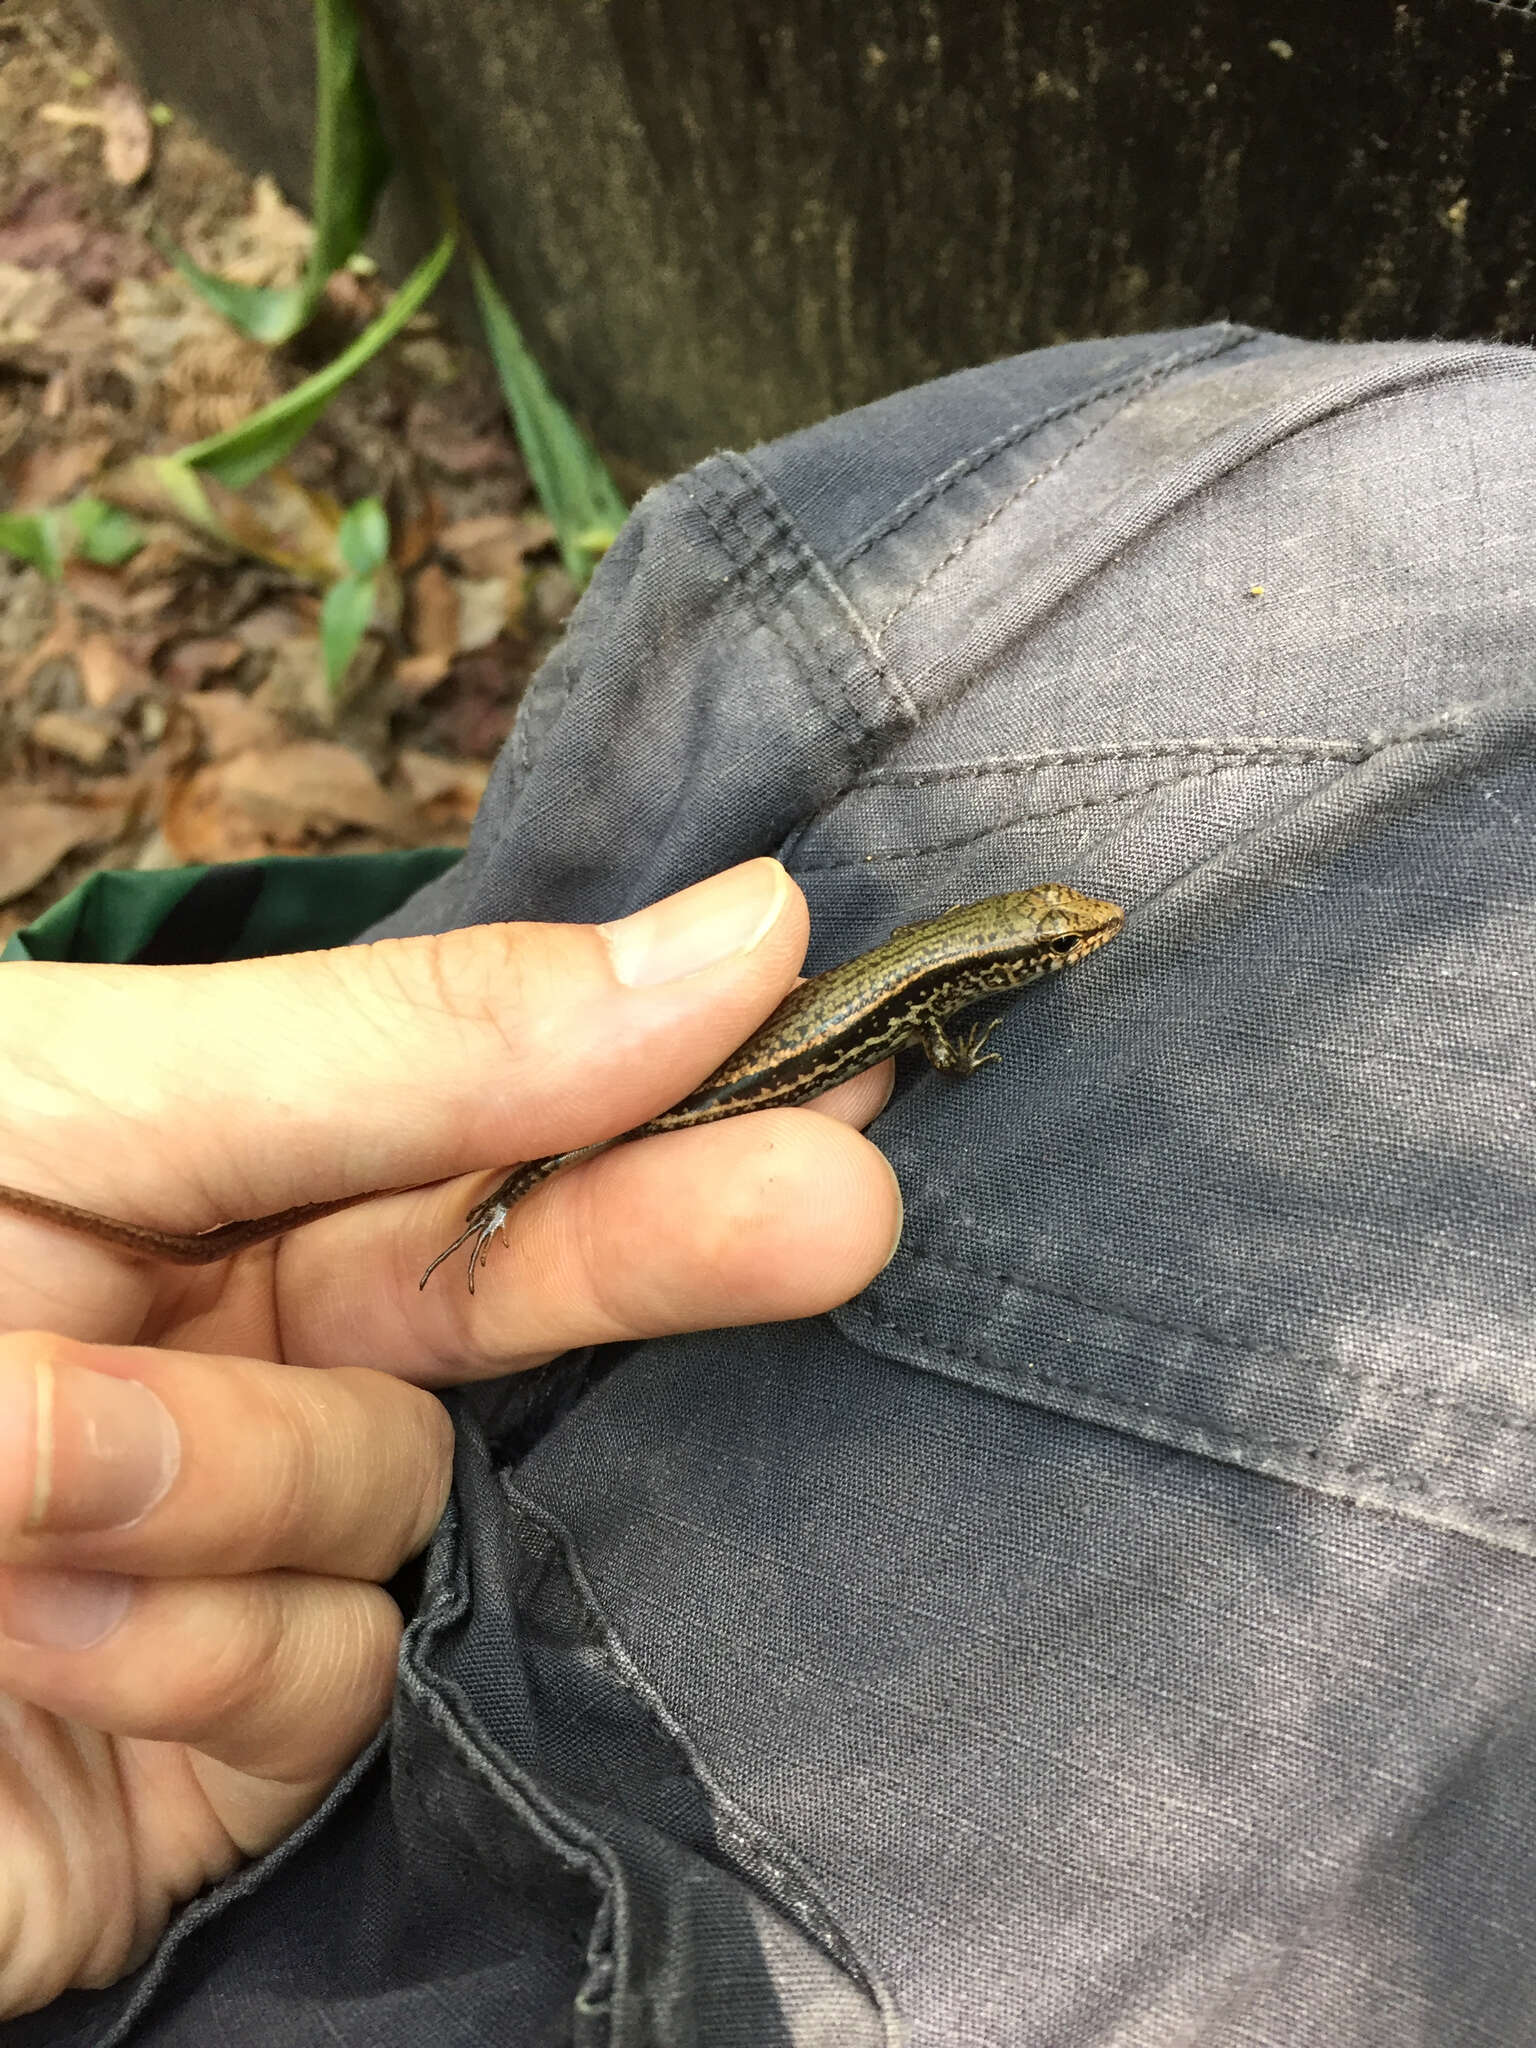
pixel 1073 925
pixel 1046 928
pixel 1029 932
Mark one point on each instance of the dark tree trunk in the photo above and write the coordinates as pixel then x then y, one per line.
pixel 719 222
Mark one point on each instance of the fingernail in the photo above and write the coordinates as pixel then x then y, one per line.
pixel 901 1217
pixel 62 1610
pixel 699 926
pixel 102 1450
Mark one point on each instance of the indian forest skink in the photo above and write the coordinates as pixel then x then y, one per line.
pixel 830 1028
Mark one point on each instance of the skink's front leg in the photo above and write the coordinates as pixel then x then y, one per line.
pixel 959 1056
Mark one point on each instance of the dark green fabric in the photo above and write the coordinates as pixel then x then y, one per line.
pixel 239 910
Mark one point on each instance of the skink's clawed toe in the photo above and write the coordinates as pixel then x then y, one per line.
pixel 491 1217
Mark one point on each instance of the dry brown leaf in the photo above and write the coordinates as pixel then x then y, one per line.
pixel 149 602
pixel 295 688
pixel 441 441
pixel 104 591
pixel 35 835
pixel 284 800
pixel 419 673
pixel 191 662
pixel 50 474
pixel 231 724
pixel 446 793
pixel 214 381
pixel 475 711
pixel 270 625
pixel 485 606
pixel 311 787
pixel 137 486
pixel 416 533
pixel 105 671
pixel 496 544
pixel 197 823
pixel 61 115
pixel 433 612
pixel 165 553
pixel 269 245
pixel 153 320
pixel 77 735
pixel 289 799
pixel 127 139
pixel 279 521
pixel 30 299
pixel 350 298
pixel 275 518
pixel 44 231
pixel 62 638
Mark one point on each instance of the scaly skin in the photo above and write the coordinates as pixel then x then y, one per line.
pixel 850 1018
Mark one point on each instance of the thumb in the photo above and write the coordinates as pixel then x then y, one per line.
pixel 184 1097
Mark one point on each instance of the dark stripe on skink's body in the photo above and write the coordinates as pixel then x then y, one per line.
pixel 830 1028
pixel 848 1019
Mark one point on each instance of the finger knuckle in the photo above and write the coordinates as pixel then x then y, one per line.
pixel 237 1660
pixel 279 1515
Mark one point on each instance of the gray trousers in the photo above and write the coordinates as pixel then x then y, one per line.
pixel 1116 1627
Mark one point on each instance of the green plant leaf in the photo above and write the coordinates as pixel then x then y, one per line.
pixel 89 526
pixel 569 475
pixel 351 165
pixel 243 451
pixel 351 158
pixel 34 537
pixel 182 486
pixel 363 537
pixel 266 313
pixel 104 533
pixel 344 617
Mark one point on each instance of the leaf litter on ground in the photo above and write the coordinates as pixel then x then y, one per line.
pixel 170 703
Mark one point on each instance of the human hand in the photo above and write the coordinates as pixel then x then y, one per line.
pixel 252 1650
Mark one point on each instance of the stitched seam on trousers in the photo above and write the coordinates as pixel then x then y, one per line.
pixel 443 1703
pixel 598 1641
pixel 1138 389
pixel 1087 803
pixel 736 1824
pixel 577 1847
pixel 808 821
pixel 833 702
pixel 820 672
pixel 1202 1425
pixel 1308 753
pixel 564 678
pixel 458 1839
pixel 1003 505
pixel 783 576
pixel 1024 430
pixel 1334 1373
pixel 767 501
pixel 1259 747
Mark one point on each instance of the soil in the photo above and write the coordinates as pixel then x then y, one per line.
pixel 174 707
